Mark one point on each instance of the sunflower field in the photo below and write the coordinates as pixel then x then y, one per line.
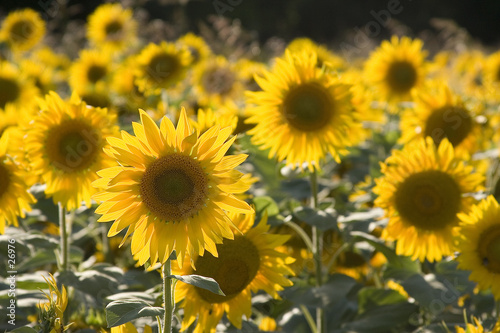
pixel 153 179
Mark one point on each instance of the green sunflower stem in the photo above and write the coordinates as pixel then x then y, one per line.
pixel 317 244
pixel 168 297
pixel 64 239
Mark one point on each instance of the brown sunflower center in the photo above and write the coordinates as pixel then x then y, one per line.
pixel 489 248
pixel 428 200
pixel 162 66
pixel 497 74
pixel 451 122
pixel 234 269
pixel 96 73
pixel 9 91
pixel 308 107
pixel 4 180
pixel 174 187
pixel 219 80
pixel 113 30
pixel 401 76
pixel 21 31
pixel 73 145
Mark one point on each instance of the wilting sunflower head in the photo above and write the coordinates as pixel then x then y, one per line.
pixel 217 81
pixel 14 89
pixel 197 47
pixel 248 263
pixel 161 67
pixel 92 70
pixel 439 113
pixel 422 190
pixel 479 244
pixel 111 26
pixel 22 29
pixel 172 189
pixel 396 67
pixel 64 143
pixel 14 196
pixel 302 113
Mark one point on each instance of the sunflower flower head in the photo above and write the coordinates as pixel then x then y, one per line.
pixel 422 190
pixel 172 188
pixel 396 68
pixel 161 66
pixel 302 113
pixel 64 143
pixel 248 263
pixel 22 29
pixel 111 26
pixel 479 244
pixel 14 196
pixel 477 327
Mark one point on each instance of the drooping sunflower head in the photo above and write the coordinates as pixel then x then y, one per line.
pixel 479 244
pixel 15 199
pixel 396 68
pixel 197 47
pixel 14 89
pixel 172 188
pixel 422 190
pixel 217 81
pixel 111 26
pixel 91 70
pixel 302 113
pixel 248 263
pixel 439 114
pixel 161 67
pixel 64 143
pixel 22 29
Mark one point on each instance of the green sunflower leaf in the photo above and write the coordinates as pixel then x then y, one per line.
pixel 322 219
pixel 122 311
pixel 200 282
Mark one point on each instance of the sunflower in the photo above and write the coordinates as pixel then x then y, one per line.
pixel 208 118
pixel 64 143
pixel 125 87
pixel 161 67
pixel 422 190
pixel 326 58
pixel 14 196
pixel 302 113
pixel 92 70
pixel 216 81
pixel 111 26
pixel 491 74
pixel 197 47
pixel 129 328
pixel 439 113
pixel 467 74
pixel 52 313
pixel 13 89
pixel 396 68
pixel 479 244
pixel 248 69
pixel 41 75
pixel 246 264
pixel 22 29
pixel 477 328
pixel 172 189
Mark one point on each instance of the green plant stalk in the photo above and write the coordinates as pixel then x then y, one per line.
pixel 168 296
pixel 64 239
pixel 317 244
pixel 309 318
